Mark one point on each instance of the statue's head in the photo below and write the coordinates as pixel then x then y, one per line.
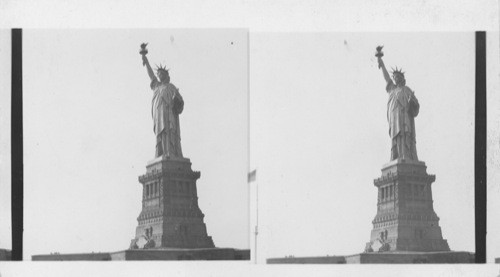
pixel 399 77
pixel 163 74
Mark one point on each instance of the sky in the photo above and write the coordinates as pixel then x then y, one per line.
pixel 5 188
pixel 493 147
pixel 319 134
pixel 88 132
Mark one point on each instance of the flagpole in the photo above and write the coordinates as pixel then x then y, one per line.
pixel 252 177
pixel 257 218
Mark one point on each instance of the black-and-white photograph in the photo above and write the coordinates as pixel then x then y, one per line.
pixel 368 154
pixel 136 144
pixel 249 138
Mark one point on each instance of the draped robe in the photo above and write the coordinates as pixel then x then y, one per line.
pixel 402 108
pixel 166 106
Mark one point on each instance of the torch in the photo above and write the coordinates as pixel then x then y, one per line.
pixel 379 54
pixel 143 52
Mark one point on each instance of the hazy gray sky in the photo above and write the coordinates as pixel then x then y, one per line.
pixel 319 134
pixel 5 188
pixel 493 128
pixel 88 132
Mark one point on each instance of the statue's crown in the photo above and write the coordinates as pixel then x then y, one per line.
pixel 398 71
pixel 161 68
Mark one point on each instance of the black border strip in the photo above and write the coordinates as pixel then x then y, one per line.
pixel 480 148
pixel 17 145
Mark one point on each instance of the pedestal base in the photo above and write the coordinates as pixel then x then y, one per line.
pixel 405 220
pixel 170 215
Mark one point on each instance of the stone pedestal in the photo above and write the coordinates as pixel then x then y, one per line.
pixel 405 219
pixel 170 215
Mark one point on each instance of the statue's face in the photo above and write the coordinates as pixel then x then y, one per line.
pixel 163 76
pixel 398 79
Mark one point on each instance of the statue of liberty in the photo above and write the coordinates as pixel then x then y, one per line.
pixel 402 108
pixel 166 106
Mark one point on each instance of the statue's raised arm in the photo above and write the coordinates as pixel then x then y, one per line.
pixel 381 64
pixel 145 62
